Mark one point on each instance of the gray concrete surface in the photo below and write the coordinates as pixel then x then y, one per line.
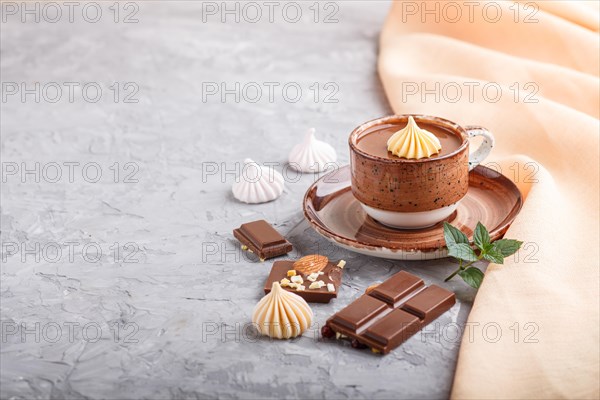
pixel 128 284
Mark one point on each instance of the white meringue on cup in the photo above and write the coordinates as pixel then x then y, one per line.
pixel 312 155
pixel 257 184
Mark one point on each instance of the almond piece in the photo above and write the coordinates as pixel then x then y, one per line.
pixel 312 277
pixel 310 264
pixel 315 285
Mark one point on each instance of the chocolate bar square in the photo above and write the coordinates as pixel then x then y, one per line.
pixel 394 328
pixel 392 290
pixel 360 311
pixel 430 303
pixel 262 239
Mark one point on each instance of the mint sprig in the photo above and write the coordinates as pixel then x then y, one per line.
pixel 459 248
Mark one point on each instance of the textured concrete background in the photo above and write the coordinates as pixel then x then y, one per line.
pixel 132 286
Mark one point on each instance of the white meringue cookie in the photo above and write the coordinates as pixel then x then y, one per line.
pixel 282 314
pixel 257 184
pixel 311 155
pixel 413 142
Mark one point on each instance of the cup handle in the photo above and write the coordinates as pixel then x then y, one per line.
pixel 477 157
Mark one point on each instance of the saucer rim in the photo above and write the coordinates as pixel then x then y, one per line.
pixel 360 247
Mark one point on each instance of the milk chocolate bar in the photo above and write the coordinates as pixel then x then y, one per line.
pixel 331 275
pixel 261 238
pixel 390 313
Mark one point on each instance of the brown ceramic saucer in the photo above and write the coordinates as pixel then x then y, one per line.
pixel 332 210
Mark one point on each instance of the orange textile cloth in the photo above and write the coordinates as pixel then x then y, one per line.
pixel 528 71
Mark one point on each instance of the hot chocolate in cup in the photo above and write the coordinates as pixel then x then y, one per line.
pixel 413 193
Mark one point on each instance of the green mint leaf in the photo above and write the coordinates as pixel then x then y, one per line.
pixel 462 251
pixel 507 247
pixel 481 237
pixel 494 255
pixel 454 235
pixel 472 276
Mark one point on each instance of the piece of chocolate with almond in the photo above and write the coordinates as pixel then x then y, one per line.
pixel 329 280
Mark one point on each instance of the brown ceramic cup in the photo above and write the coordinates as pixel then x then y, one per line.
pixel 412 194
